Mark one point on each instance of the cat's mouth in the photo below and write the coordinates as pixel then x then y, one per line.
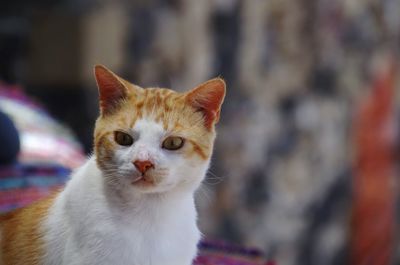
pixel 143 179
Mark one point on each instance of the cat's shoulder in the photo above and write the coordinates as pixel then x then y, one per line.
pixel 34 211
pixel 21 230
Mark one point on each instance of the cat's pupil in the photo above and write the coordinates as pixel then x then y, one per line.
pixel 123 138
pixel 173 143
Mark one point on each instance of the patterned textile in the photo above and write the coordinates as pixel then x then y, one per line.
pixel 43 138
pixel 221 253
pixel 23 184
pixel 48 152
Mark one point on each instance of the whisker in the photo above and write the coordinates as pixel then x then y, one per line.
pixel 215 180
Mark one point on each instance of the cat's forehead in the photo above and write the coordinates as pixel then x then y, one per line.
pixel 151 93
pixel 160 105
pixel 150 98
pixel 147 128
pixel 147 125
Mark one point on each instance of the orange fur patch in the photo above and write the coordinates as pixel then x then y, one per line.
pixel 21 235
pixel 198 150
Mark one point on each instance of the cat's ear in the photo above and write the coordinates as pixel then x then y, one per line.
pixel 111 89
pixel 208 98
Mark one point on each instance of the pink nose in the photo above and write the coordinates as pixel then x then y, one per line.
pixel 143 165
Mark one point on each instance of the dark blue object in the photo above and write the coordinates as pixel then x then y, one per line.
pixel 9 140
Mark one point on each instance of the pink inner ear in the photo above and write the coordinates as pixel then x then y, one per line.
pixel 208 98
pixel 111 90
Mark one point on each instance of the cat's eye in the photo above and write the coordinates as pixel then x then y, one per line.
pixel 123 138
pixel 173 143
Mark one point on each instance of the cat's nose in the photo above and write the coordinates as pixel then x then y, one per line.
pixel 143 165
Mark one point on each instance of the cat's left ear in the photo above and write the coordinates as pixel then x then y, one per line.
pixel 208 98
pixel 111 89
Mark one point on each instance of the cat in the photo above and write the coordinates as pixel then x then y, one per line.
pixel 132 202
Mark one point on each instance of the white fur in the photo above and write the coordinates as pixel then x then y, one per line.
pixel 101 218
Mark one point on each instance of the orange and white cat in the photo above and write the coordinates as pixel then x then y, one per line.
pixel 132 202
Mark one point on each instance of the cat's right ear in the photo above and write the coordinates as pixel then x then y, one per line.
pixel 111 89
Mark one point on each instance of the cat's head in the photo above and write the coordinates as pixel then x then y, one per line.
pixel 155 139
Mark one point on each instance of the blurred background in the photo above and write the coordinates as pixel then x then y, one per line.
pixel 306 160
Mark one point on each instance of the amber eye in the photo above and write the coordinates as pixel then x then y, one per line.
pixel 123 138
pixel 173 143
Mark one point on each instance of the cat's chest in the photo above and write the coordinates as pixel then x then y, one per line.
pixel 152 241
pixel 135 239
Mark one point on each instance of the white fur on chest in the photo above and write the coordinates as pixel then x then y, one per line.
pixel 87 227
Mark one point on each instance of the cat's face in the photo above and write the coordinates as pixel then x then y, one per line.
pixel 155 140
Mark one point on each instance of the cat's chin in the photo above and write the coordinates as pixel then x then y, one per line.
pixel 148 184
pixel 147 188
pixel 143 182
